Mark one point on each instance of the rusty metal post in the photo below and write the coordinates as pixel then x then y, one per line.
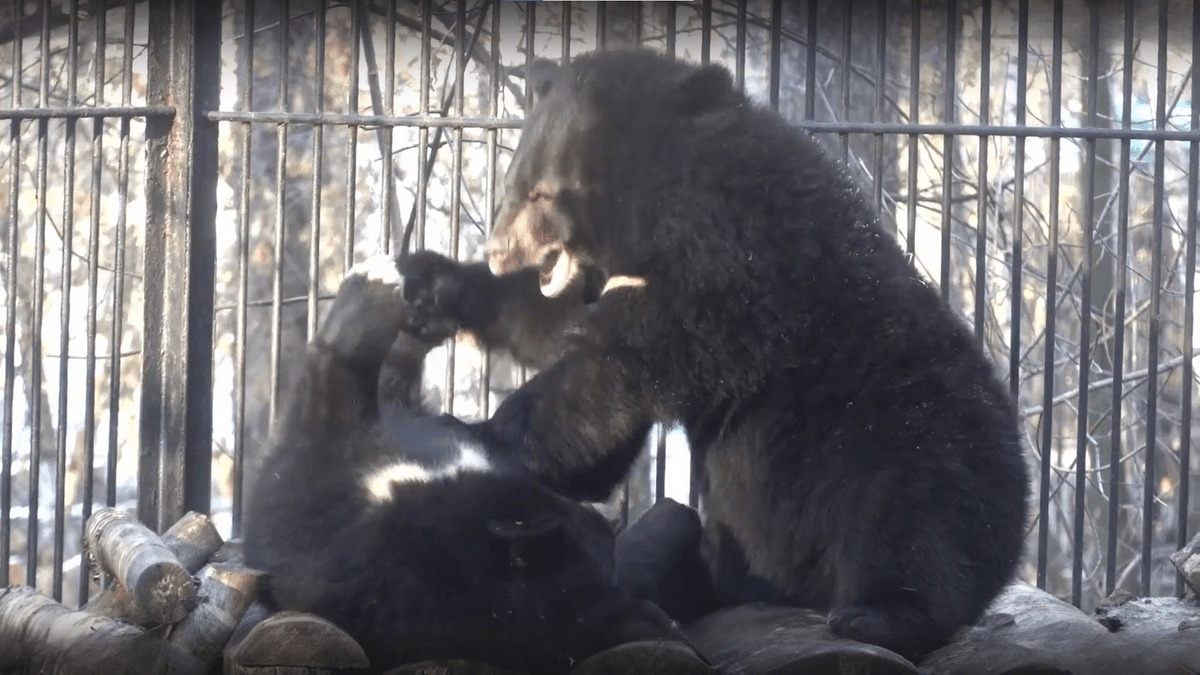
pixel 175 432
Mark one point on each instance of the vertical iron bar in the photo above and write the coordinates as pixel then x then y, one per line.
pixel 948 145
pixel 423 133
pixel 530 35
pixel 601 32
pixel 776 47
pixel 880 97
pixel 64 341
pixel 35 356
pixel 318 151
pixel 352 145
pixel 1159 224
pixel 566 31
pixel 1014 340
pixel 1118 358
pixel 810 63
pixel 10 309
pixel 122 224
pixel 93 293
pixel 844 74
pixel 175 432
pixel 985 93
pixel 740 67
pixel 385 135
pixel 1189 310
pixel 660 461
pixel 1047 423
pixel 660 456
pixel 914 116
pixel 672 30
pixel 246 95
pixel 281 139
pixel 489 184
pixel 203 27
pixel 456 147
pixel 695 465
pixel 391 202
pixel 1085 319
pixel 638 18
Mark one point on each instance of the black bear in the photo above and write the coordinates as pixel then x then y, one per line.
pixel 859 454
pixel 412 537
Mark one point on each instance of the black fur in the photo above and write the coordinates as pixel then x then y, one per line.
pixel 860 456
pixel 484 565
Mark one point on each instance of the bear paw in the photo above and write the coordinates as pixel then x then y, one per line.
pixel 433 288
pixel 368 311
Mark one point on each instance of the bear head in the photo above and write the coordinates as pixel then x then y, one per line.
pixel 606 131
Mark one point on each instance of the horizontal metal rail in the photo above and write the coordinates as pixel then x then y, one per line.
pixel 884 128
pixel 74 112
pixel 1019 131
pixel 364 120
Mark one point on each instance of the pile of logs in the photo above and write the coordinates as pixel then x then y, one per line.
pixel 180 603
pixel 185 603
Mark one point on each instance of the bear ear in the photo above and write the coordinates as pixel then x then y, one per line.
pixel 540 74
pixel 703 89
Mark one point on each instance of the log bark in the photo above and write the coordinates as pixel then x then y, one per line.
pixel 41 636
pixel 156 581
pixel 226 592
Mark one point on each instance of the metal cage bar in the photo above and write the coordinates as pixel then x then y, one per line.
pixel 1119 295
pixel 175 426
pixel 1049 334
pixel 1085 284
pixel 1149 491
pixel 1189 304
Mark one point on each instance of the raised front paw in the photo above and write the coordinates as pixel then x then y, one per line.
pixel 433 290
pixel 368 312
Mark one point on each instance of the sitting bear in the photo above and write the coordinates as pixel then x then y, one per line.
pixel 415 539
pixel 859 454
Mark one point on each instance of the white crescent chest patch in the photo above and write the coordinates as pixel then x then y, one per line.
pixel 378 484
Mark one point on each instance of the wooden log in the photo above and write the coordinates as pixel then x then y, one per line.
pixel 159 584
pixel 230 552
pixel 659 657
pixel 116 603
pixel 226 592
pixel 293 640
pixel 41 636
pixel 257 613
pixel 193 539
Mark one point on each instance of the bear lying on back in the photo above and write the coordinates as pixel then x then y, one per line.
pixel 416 540
pixel 859 454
